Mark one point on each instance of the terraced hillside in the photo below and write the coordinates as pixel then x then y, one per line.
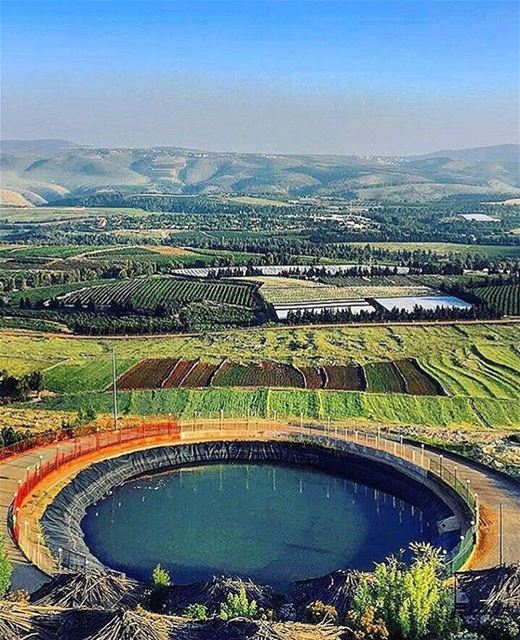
pixel 476 366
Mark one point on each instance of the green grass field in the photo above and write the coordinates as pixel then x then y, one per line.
pixel 353 407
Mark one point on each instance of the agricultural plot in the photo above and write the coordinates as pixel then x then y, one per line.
pixel 261 374
pixel 314 377
pixel 148 374
pixel 417 381
pixel 179 372
pixel 468 373
pixel 404 376
pixel 349 378
pixel 371 408
pixel 394 280
pixel 292 290
pixel 504 298
pixel 229 374
pixel 200 375
pixel 93 375
pixel 46 251
pixel 147 293
pixel 384 377
pixel 120 252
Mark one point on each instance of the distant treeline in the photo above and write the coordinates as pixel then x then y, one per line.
pixel 345 316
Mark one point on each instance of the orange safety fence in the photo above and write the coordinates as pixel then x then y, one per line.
pixel 78 446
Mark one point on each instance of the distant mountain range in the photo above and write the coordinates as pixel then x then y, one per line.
pixel 496 153
pixel 39 171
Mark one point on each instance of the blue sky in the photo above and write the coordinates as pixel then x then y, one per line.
pixel 280 76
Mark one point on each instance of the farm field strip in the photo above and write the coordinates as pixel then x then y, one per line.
pixel 148 292
pixel 384 377
pixel 349 378
pixel 148 374
pixel 394 280
pixel 348 406
pixel 200 375
pixel 313 377
pixel 178 374
pixel 298 291
pixel 505 298
pixel 418 382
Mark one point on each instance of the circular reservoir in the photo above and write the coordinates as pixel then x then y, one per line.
pixel 274 523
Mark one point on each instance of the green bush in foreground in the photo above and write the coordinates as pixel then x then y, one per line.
pixel 196 611
pixel 413 600
pixel 238 605
pixel 160 578
pixel 160 583
pixel 6 569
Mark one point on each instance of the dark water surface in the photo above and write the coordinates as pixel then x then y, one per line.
pixel 273 523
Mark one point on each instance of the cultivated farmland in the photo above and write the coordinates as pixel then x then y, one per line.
pixel 404 376
pixel 384 377
pixel 350 378
pixel 292 290
pixel 148 374
pixel 417 381
pixel 178 374
pixel 147 293
pixel 504 298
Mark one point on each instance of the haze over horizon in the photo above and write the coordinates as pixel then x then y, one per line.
pixel 349 78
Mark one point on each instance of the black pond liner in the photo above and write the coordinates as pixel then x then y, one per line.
pixel 61 522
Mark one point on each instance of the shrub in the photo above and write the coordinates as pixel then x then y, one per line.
pixel 238 605
pixel 160 578
pixel 364 626
pixel 317 612
pixel 412 600
pixel 196 611
pixel 160 583
pixel 6 569
pixel 502 627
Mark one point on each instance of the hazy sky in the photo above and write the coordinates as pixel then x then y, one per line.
pixel 271 76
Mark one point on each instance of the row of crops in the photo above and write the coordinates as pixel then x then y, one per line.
pixel 401 376
pixel 505 298
pixel 147 293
